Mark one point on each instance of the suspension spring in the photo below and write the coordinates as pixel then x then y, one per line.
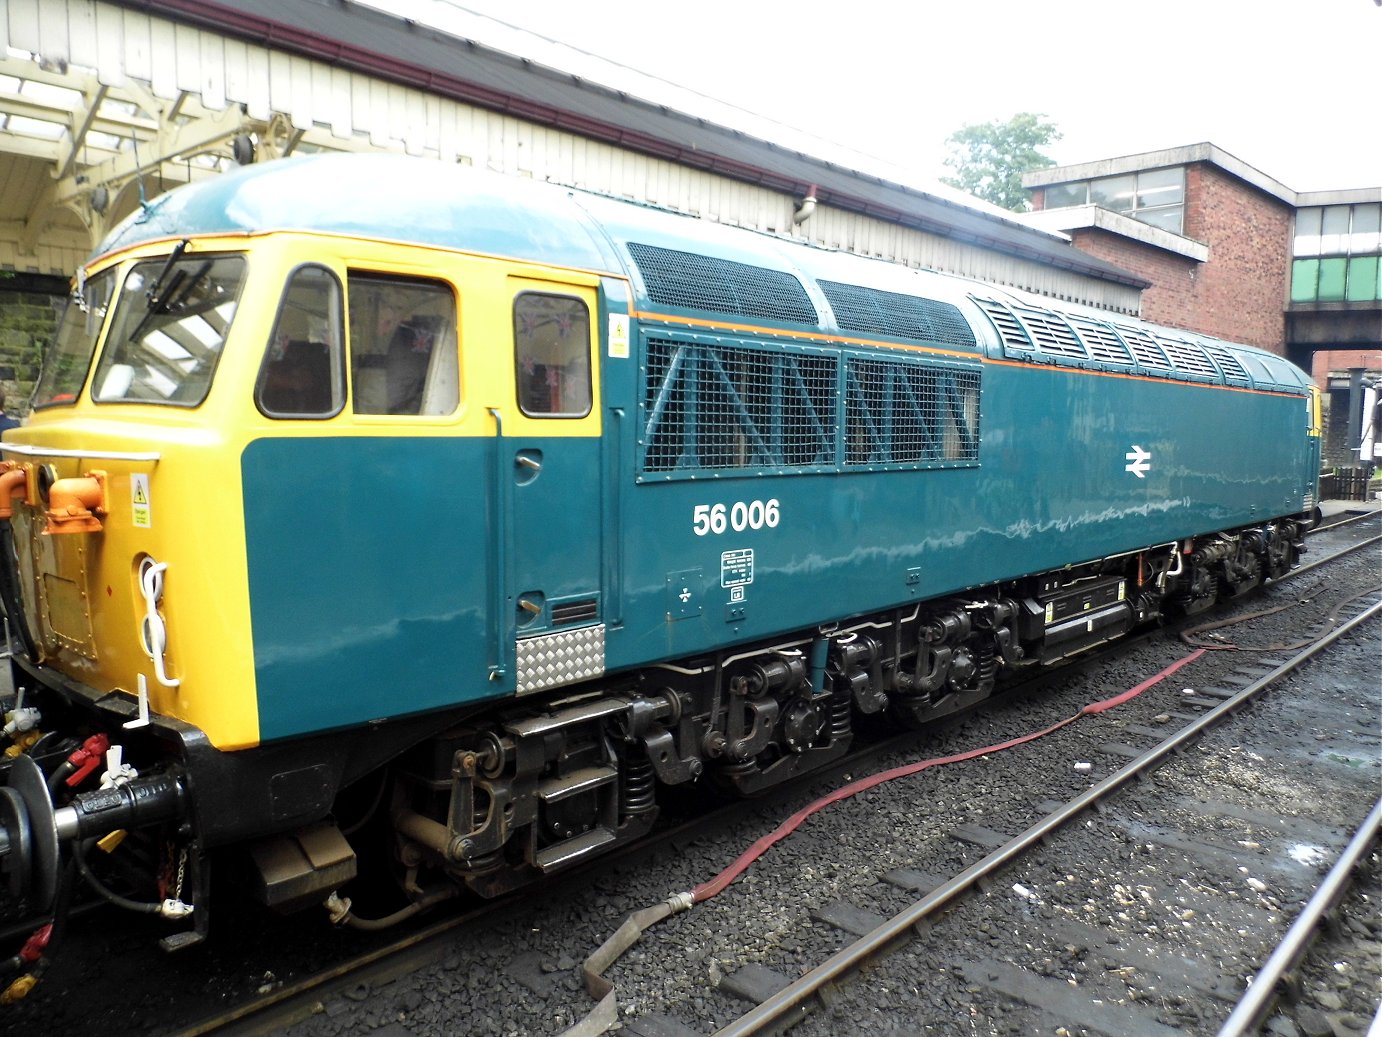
pixel 636 785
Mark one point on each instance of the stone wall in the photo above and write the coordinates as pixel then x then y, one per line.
pixel 29 311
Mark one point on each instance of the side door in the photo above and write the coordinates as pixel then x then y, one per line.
pixel 550 476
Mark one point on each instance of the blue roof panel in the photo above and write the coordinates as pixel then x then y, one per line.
pixel 379 196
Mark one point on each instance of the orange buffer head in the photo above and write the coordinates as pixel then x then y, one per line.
pixel 74 503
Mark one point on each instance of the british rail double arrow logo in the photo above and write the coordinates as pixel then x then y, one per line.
pixel 1139 462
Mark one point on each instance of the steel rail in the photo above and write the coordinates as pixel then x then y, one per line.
pixel 1331 558
pixel 771 1012
pixel 1257 1002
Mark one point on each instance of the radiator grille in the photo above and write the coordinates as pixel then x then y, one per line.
pixel 721 406
pixel 713 406
pixel 872 312
pixel 897 412
pixel 674 278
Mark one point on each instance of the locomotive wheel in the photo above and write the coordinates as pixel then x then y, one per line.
pixel 26 779
pixel 1278 557
pixel 1240 574
pixel 16 852
pixel 1199 594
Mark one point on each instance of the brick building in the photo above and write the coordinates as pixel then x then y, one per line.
pixel 1231 252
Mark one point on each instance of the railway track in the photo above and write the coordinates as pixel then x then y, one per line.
pixel 332 998
pixel 1052 996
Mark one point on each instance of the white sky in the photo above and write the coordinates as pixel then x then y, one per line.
pixel 1291 87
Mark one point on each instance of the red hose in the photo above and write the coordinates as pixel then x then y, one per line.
pixel 706 890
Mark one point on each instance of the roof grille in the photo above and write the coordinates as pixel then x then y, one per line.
pixel 1233 369
pixel 1103 342
pixel 1009 328
pixel 696 282
pixel 1052 333
pixel 1187 356
pixel 870 311
pixel 1144 348
pixel 1026 328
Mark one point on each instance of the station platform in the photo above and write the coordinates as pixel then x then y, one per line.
pixel 1330 508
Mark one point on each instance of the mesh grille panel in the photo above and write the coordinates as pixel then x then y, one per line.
pixel 710 406
pixel 870 311
pixel 901 412
pixel 674 278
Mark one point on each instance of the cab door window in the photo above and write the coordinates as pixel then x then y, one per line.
pixel 552 350
pixel 302 375
pixel 404 354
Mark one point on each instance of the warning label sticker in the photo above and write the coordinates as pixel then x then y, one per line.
pixel 139 494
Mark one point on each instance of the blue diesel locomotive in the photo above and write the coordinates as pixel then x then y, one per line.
pixel 367 489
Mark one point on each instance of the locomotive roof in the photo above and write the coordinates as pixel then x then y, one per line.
pixel 378 196
pixel 397 198
pixel 393 197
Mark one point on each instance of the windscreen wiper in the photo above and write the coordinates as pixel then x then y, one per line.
pixel 155 293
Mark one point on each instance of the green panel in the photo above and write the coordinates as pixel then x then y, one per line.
pixel 1363 279
pixel 1332 279
pixel 370 577
pixel 1305 276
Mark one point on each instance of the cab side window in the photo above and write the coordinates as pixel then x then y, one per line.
pixel 302 374
pixel 403 348
pixel 552 351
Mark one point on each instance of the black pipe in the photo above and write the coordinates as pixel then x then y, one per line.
pixel 9 591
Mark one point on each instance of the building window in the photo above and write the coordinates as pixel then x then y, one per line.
pixel 1153 196
pixel 1337 249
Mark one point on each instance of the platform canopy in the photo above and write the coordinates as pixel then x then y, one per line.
pixel 104 103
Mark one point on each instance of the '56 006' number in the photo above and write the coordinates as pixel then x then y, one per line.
pixel 739 516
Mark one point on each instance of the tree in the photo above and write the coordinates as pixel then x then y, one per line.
pixel 989 158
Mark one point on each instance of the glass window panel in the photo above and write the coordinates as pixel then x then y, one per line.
pixel 301 375
pixel 1308 232
pixel 552 350
pixel 1113 192
pixel 403 350
pixel 65 363
pixel 1334 229
pixel 1305 276
pixel 1332 273
pixel 170 323
pixel 1058 196
pixel 1160 187
pixel 1367 223
pixel 1168 218
pixel 1362 279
